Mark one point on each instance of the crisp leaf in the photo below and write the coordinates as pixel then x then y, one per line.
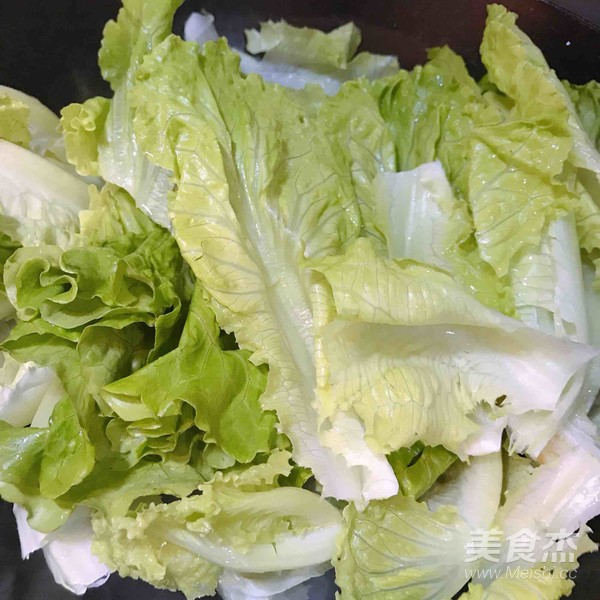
pixel 397 549
pixel 40 201
pixel 220 386
pixel 82 124
pixel 402 343
pixel 250 205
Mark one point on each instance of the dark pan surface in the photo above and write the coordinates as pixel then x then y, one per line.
pixel 49 49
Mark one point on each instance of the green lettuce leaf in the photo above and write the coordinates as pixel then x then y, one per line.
pixel 298 58
pixel 99 133
pixel 14 116
pixel 304 46
pixel 39 200
pixel 93 315
pixel 519 70
pixel 27 122
pixel 295 56
pixel 50 470
pixel 497 161
pixel 352 119
pixel 432 112
pixel 421 219
pixel 517 67
pixel 68 456
pixel 586 100
pixel 140 26
pixel 546 275
pixel 395 366
pixel 116 492
pixel 259 189
pixel 7 247
pixel 88 315
pixel 592 307
pixel 418 467
pixel 21 451
pixel 112 214
pixel 128 546
pixel 398 548
pixel 221 386
pixel 135 277
pixel 82 124
pixel 47 462
pixel 242 521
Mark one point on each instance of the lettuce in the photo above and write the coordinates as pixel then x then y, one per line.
pixel 99 134
pixel 67 551
pixel 303 46
pixel 248 208
pixel 422 219
pixel 439 344
pixel 397 548
pixel 220 386
pixel 296 56
pixel 40 200
pixel 290 326
pixel 88 314
pixel 13 121
pixel 242 521
pixel 25 121
pixel 586 100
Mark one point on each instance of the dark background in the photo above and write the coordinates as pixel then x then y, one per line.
pixel 48 49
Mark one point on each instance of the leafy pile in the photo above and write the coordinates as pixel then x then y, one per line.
pixel 254 329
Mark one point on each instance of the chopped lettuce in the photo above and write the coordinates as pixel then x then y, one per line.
pixel 221 387
pixel 39 200
pixel 296 56
pixel 242 521
pixel 586 100
pixel 249 207
pixel 439 344
pixel 25 121
pixel 99 134
pixel 398 548
pixel 306 315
